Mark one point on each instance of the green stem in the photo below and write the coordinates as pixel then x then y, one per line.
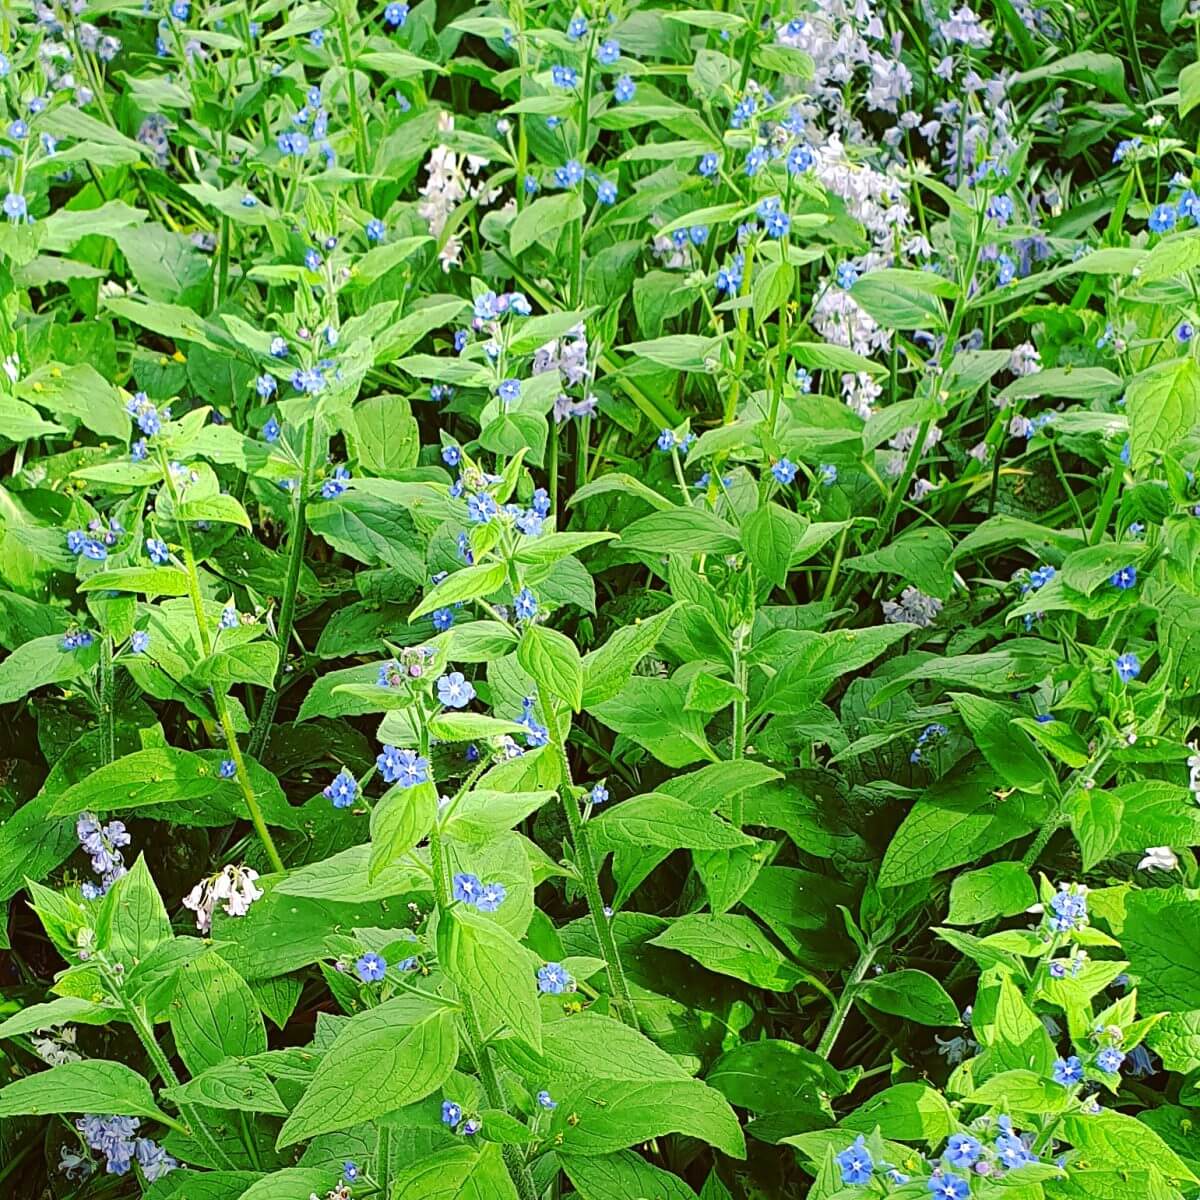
pixel 740 681
pixel 1107 501
pixel 222 709
pixel 842 1008
pixel 476 1042
pixel 586 862
pixel 287 607
pixel 356 117
pixel 108 720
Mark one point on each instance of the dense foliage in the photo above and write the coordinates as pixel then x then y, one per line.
pixel 599 602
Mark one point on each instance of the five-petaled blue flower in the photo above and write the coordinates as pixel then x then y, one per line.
pixel 546 1101
pixel 157 549
pixel 491 897
pixel 1124 579
pixel 1162 218
pixel 454 691
pixel 395 15
pixel 1109 1060
pixel 608 52
pixel 343 790
pixel 1068 1071
pixel 349 1171
pixel 525 605
pixel 624 89
pixel 405 767
pixel 509 390
pixel 962 1150
pixel 563 77
pixel 371 967
pixel 228 768
pixel 856 1163
pixel 139 641
pixel 553 979
pixel 1128 666
pixel 784 471
pixel 948 1187
pixel 466 888
pixel 451 1113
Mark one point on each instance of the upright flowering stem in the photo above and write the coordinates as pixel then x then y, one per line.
pixel 287 607
pixel 222 709
pixel 108 716
pixel 840 1010
pixel 518 1169
pixel 586 863
pixel 740 681
pixel 356 117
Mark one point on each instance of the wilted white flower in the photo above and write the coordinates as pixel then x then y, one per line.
pixel 232 886
pixel 1159 858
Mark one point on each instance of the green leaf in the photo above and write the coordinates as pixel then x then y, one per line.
pixel 153 581
pixel 770 534
pixel 903 299
pixel 457 1173
pixel 76 1087
pixel 651 712
pixel 1115 1139
pixel 660 820
pixel 911 994
pixel 681 531
pixel 1010 753
pixel 244 1086
pixel 383 1059
pixel 731 944
pixel 214 1015
pixel 490 966
pixel 146 777
pixel 920 557
pixel 1086 67
pixel 466 726
pixel 606 1115
pixel 1161 939
pixel 607 670
pixel 906 1112
pixel 624 1175
pixel 470 583
pixel 553 662
pixel 1189 88
pixel 398 822
pixel 482 814
pixel 41 661
pixel 773 1074
pixel 1001 890
pixel 132 919
pixel 1159 402
pixel 542 221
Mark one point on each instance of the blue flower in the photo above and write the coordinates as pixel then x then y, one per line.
pixel 317 37
pixel 784 471
pixel 371 967
pixel 598 794
pixel 624 89
pixel 1128 666
pixel 1124 148
pixel 569 174
pixel 563 77
pixel 545 1101
pixel 709 165
pixel 451 1113
pixel 1010 1150
pixel 405 767
pixel 139 451
pixel 577 27
pixel 343 791
pixel 1000 210
pixel 265 385
pixel 158 551
pixel 962 1150
pixel 799 160
pixel 350 1168
pixel 538 734
pixel 454 691
pixel 1109 1060
pixel 1124 579
pixel 1184 332
pixel 229 617
pixel 540 502
pixel 376 229
pixel 271 430
pixel 18 130
pixel 481 508
pixel 228 768
pixel 292 142
pixel 509 390
pixel 777 224
pixel 279 347
pixel 756 159
pixel 335 485
pixel 395 15
pixel 80 639
pixel 847 276
pixel 532 187
pixel 948 1187
pixel 828 474
pixel 15 207
pixel 451 455
pixel 855 1162
pixel 139 641
pixel 442 619
pixel 1069 907
pixel 1006 270
pixel 312 260
pixel 1068 1071
pixel 466 888
pixel 491 897
pixel 1162 218
pixel 553 979
pixel 606 191
pixel 525 605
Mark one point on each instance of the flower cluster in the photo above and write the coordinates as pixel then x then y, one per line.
pixel 487 897
pixel 116 1138
pixel 233 887
pixel 103 844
